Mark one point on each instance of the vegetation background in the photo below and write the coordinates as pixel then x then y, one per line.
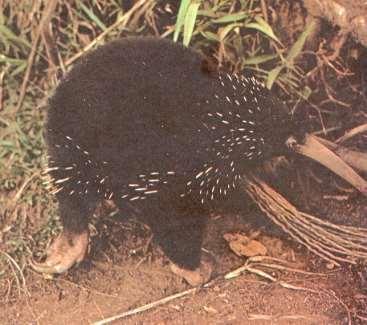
pixel 300 58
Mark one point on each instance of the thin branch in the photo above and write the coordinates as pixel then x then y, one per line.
pixel 146 307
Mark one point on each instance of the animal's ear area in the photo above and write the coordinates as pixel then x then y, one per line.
pixel 208 66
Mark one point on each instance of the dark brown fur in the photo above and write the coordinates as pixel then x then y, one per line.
pixel 141 121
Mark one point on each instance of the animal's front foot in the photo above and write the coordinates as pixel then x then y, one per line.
pixel 66 250
pixel 200 275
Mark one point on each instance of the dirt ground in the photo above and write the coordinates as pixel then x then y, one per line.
pixel 126 270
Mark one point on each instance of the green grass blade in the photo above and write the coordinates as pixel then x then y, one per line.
pixel 260 59
pixel 8 35
pixel 289 60
pixel 11 61
pixel 92 16
pixel 262 26
pixel 224 32
pixel 180 18
pixel 19 69
pixel 231 18
pixel 298 45
pixel 190 20
pixel 210 36
pixel 207 13
pixel 273 75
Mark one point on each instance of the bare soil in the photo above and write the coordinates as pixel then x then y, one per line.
pixel 125 270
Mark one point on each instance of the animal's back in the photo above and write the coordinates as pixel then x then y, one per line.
pixel 141 116
pixel 132 107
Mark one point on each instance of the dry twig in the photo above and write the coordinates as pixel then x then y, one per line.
pixel 146 307
pixel 275 318
pixel 252 266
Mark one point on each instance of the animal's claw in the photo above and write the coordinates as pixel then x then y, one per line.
pixel 200 275
pixel 67 249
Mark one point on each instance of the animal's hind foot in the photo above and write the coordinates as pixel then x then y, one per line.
pixel 198 276
pixel 66 250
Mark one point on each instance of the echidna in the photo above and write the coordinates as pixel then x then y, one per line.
pixel 141 120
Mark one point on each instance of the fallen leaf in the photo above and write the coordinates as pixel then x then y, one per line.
pixel 242 245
